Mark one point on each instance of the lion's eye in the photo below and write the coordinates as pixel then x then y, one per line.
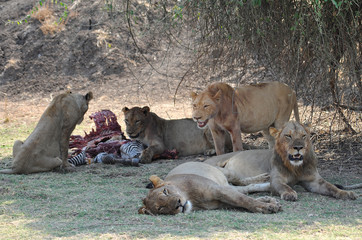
pixel 165 191
pixel 206 106
pixel 288 137
pixel 194 106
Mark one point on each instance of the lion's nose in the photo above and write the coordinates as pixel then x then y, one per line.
pixel 298 148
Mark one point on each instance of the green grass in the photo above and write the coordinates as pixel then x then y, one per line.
pixel 101 201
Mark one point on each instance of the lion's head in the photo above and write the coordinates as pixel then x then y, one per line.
pixel 135 119
pixel 293 144
pixel 205 105
pixel 70 106
pixel 164 198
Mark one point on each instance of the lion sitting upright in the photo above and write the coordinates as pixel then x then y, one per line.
pixel 291 162
pixel 47 146
pixel 247 109
pixel 196 185
pixel 160 134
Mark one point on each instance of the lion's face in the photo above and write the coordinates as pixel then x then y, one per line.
pixel 164 198
pixel 135 119
pixel 204 108
pixel 292 143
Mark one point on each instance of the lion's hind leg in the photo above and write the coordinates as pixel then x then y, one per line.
pixel 45 164
pixel 321 186
pixel 16 147
pixel 234 178
pixel 253 188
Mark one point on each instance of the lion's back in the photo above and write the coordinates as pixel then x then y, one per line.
pixel 186 137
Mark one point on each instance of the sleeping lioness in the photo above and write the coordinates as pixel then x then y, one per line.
pixel 291 162
pixel 159 134
pixel 47 146
pixel 196 185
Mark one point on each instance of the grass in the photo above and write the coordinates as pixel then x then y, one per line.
pixel 101 201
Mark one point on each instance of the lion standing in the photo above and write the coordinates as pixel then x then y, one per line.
pixel 247 109
pixel 47 146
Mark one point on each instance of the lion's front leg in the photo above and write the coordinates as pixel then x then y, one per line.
pixel 218 135
pixel 236 138
pixel 237 199
pixel 321 186
pixel 279 186
pixel 154 149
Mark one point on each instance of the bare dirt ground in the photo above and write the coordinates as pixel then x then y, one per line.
pixel 95 52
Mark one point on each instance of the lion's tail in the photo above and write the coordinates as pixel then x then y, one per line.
pixel 295 108
pixel 8 171
pixel 349 187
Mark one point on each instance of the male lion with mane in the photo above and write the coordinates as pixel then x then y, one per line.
pixel 160 134
pixel 47 146
pixel 291 162
pixel 247 109
pixel 197 185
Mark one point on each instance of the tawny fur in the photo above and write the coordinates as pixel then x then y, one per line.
pixel 247 109
pixel 160 134
pixel 291 162
pixel 195 186
pixel 47 146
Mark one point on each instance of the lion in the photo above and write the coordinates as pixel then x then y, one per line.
pixel 291 162
pixel 247 109
pixel 47 146
pixel 160 134
pixel 194 186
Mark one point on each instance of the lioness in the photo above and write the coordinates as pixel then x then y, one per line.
pixel 291 162
pixel 245 109
pixel 196 185
pixel 47 146
pixel 160 134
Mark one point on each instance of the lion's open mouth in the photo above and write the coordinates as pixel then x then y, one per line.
pixel 202 124
pixel 296 157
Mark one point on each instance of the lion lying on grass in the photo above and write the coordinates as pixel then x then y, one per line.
pixel 160 134
pixel 291 162
pixel 245 109
pixel 47 146
pixel 196 185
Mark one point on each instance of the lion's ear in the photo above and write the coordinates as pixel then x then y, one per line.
pixel 274 132
pixel 156 181
pixel 145 110
pixel 193 95
pixel 88 96
pixel 307 126
pixel 125 109
pixel 144 210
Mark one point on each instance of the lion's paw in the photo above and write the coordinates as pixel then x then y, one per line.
pixel 289 196
pixel 346 195
pixel 146 156
pixel 269 208
pixel 210 152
